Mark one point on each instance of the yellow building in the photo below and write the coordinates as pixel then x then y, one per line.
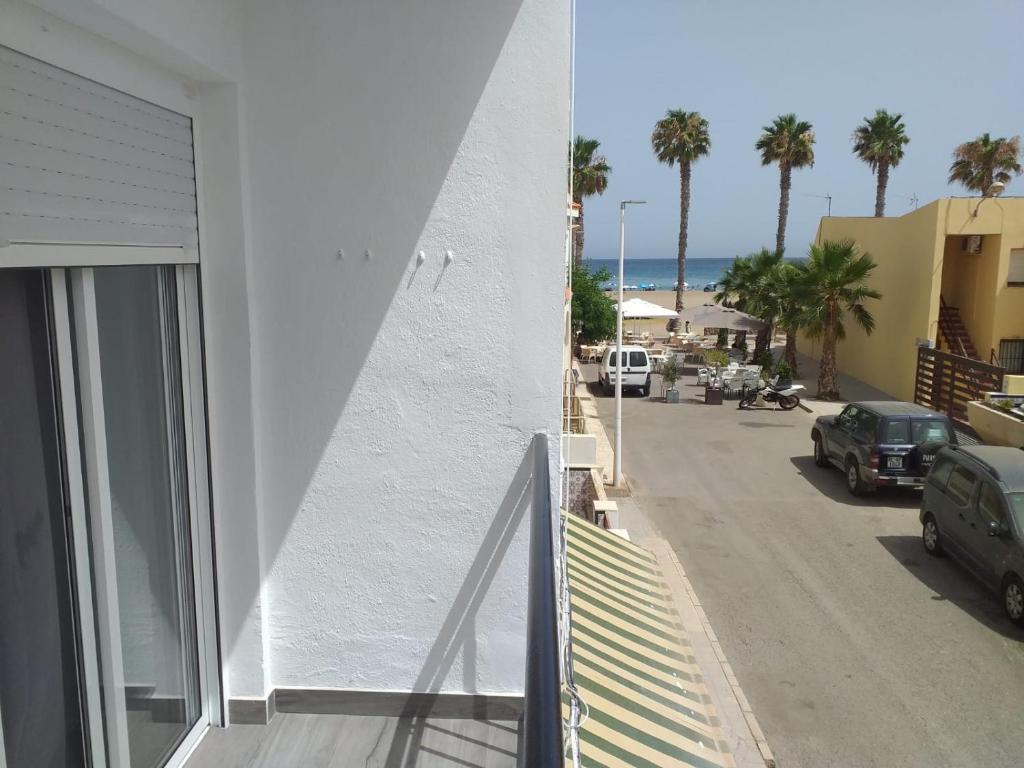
pixel 964 253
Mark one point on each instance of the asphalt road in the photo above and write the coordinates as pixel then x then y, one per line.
pixel 854 647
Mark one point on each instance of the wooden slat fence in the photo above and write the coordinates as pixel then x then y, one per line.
pixel 946 382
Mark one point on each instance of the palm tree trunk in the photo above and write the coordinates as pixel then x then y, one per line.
pixel 883 182
pixel 785 182
pixel 577 235
pixel 828 384
pixel 762 339
pixel 684 223
pixel 790 353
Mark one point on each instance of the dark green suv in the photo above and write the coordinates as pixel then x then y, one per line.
pixel 973 508
pixel 881 443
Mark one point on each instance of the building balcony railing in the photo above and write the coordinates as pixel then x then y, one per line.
pixel 542 719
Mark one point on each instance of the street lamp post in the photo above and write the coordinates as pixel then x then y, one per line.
pixel 617 471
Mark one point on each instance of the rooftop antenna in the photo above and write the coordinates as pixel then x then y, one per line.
pixel 912 197
pixel 827 197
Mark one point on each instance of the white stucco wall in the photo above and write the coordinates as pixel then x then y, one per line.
pixel 369 421
pixel 395 405
pixel 200 39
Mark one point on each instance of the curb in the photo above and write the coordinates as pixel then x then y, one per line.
pixel 662 550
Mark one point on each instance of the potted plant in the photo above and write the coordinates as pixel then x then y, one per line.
pixel 671 372
pixel 716 357
pixel 719 359
pixel 783 373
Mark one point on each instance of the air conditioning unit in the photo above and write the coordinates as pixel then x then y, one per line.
pixel 971 244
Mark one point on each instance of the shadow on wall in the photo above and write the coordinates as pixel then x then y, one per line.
pixel 351 138
pixel 458 633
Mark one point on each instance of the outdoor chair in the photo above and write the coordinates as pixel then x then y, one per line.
pixel 732 379
pixel 708 374
pixel 751 378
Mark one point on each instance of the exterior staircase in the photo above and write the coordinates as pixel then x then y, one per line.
pixel 954 334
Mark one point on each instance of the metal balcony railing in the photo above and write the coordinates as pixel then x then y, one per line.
pixel 542 718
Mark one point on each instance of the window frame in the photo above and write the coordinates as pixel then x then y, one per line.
pixel 1017 368
pixel 940 463
pixel 848 417
pixel 81 410
pixel 1015 268
pixel 974 486
pixel 986 484
pixel 867 425
pixel 892 420
pixel 629 359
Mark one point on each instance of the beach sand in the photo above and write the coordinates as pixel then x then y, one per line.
pixel 665 299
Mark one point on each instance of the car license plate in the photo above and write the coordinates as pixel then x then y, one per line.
pixel 894 462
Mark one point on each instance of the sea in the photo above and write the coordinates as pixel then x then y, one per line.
pixel 660 274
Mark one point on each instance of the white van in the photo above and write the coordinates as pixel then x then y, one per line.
pixel 636 370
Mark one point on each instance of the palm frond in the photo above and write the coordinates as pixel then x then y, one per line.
pixel 680 137
pixel 978 163
pixel 880 138
pixel 590 170
pixel 787 141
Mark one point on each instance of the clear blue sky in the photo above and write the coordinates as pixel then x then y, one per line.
pixel 954 69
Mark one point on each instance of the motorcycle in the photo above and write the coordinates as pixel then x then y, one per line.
pixel 786 395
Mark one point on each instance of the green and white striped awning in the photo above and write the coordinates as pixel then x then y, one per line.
pixel 634 667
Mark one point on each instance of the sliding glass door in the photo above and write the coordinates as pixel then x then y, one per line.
pixel 41 718
pixel 126 339
pixel 105 629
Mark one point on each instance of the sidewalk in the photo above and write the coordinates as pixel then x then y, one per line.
pixel 853 390
pixel 850 388
pixel 605 454
pixel 737 721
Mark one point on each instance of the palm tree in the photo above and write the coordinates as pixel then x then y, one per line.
pixel 681 137
pixel 790 143
pixel 979 163
pixel 736 284
pixel 833 282
pixel 790 311
pixel 879 142
pixel 589 177
pixel 748 287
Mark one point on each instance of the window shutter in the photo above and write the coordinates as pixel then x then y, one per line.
pixel 84 163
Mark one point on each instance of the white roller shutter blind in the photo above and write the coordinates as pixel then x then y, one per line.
pixel 83 163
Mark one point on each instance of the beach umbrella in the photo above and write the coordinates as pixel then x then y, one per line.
pixel 717 316
pixel 641 309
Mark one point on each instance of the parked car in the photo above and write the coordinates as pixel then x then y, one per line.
pixel 973 508
pixel 636 370
pixel 881 443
